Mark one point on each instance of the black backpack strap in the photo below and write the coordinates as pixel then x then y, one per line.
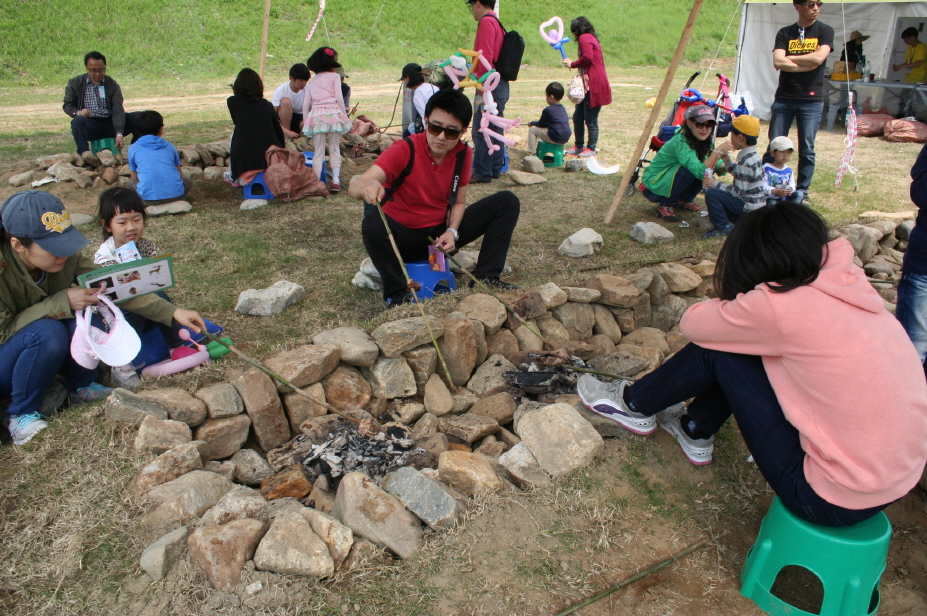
pixel 504 31
pixel 455 183
pixel 402 176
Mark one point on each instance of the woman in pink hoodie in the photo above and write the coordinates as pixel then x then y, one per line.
pixel 827 389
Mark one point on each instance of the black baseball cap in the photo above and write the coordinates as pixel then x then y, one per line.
pixel 410 69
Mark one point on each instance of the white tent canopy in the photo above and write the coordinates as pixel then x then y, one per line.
pixel 762 19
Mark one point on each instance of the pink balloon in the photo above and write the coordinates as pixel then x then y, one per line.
pixel 553 36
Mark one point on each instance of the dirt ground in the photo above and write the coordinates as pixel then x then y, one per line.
pixel 530 553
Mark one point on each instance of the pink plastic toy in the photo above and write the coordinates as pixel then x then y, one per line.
pixel 181 359
pixel 555 37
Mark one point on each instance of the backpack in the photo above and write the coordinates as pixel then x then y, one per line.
pixel 513 48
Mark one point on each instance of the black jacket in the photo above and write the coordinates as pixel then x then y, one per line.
pixel 74 99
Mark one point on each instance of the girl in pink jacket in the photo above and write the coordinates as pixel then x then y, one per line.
pixel 828 391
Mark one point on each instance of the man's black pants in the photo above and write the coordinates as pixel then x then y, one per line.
pixel 90 129
pixel 493 218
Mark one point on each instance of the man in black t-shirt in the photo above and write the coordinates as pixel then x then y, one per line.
pixel 799 56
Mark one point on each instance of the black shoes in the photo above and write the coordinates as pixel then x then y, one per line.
pixel 496 283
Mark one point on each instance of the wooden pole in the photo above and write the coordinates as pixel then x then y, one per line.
pixel 264 38
pixel 655 112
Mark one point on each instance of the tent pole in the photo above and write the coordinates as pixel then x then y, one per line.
pixel 264 38
pixel 655 112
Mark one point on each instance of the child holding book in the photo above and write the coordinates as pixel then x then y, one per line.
pixel 554 124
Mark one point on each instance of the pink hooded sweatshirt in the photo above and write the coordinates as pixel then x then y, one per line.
pixel 846 374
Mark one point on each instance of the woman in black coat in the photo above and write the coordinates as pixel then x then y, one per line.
pixel 257 126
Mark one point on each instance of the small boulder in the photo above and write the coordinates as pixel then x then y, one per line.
pixel 180 405
pixel 390 378
pixel 221 400
pixel 523 468
pixel 469 472
pixel 489 375
pixel 290 547
pixel 223 436
pixel 468 427
pixel 575 164
pixel 21 179
pixel 221 551
pixel 252 204
pixel 123 406
pixel 295 482
pixel 532 164
pixel 357 347
pixel 175 207
pixel 424 497
pixel 270 301
pixel 237 504
pixel 160 556
pixel 184 499
pixel 523 178
pixel 396 337
pixel 338 537
pixel 304 365
pixel 170 465
pixel 559 438
pixel 583 243
pixel 650 233
pixel 157 435
pixel 250 467
pixel 438 400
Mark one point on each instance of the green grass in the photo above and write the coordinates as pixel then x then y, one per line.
pixel 43 43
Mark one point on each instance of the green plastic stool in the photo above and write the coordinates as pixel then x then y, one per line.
pixel 849 562
pixel 553 150
pixel 98 145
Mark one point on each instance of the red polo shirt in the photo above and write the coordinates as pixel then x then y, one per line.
pixel 422 199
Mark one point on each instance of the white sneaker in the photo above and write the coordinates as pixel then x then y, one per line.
pixel 607 400
pixel 24 427
pixel 697 450
pixel 125 377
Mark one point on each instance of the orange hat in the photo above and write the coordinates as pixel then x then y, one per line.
pixel 747 125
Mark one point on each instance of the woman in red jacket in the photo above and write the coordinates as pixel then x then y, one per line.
pixel 598 91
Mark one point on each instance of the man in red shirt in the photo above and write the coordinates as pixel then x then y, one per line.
pixel 419 206
pixel 489 36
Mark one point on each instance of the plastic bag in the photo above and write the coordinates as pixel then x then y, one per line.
pixel 905 131
pixel 288 177
pixel 576 90
pixel 872 124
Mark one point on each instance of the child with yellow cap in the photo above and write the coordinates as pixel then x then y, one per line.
pixel 726 203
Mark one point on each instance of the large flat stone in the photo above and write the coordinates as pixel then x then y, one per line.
pixel 357 347
pixel 345 388
pixel 469 472
pixel 123 406
pixel 390 378
pixel 180 405
pixel 424 497
pixel 221 551
pixel 395 337
pixel 485 308
pixel 290 547
pixel 559 438
pixel 616 291
pixel 270 424
pixel 304 365
pixel 221 400
pixel 223 436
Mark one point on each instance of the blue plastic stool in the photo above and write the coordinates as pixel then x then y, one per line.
pixel 432 282
pixel 109 143
pixel 309 157
pixel 550 153
pixel 847 560
pixel 258 189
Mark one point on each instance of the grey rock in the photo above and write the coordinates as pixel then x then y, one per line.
pixel 424 497
pixel 357 347
pixel 184 499
pixel 338 537
pixel 175 207
pixel 532 164
pixel 159 435
pixel 410 411
pixel 390 378
pixel 582 294
pixel 396 337
pixel 226 468
pixel 668 314
pixel 290 547
pixel 583 243
pixel 525 179
pixel 423 361
pixel 489 375
pixel 903 230
pixel 367 268
pixel 272 300
pixel 160 556
pixel 523 468
pixel 650 233
pixel 468 427
pixel 376 515
pixel 180 405
pixel 364 281
pixel 237 504
pixel 21 179
pixel 123 406
pixel 250 467
pixel 551 294
pixel 221 400
pixel 559 439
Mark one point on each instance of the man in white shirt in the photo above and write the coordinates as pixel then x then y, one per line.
pixel 287 99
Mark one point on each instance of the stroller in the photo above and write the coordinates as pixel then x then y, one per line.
pixel 689 97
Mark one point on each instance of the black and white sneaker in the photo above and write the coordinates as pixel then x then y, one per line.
pixel 697 450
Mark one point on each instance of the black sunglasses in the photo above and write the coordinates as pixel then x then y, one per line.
pixel 451 133
pixel 708 124
pixel 811 5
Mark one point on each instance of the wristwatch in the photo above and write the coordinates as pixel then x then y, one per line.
pixel 454 233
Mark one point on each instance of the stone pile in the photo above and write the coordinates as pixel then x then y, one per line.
pixel 879 247
pixel 201 161
pixel 238 480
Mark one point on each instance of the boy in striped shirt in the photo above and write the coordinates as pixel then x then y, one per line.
pixel 726 203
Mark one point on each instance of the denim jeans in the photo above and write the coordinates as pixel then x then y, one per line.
pixel 912 309
pixel 32 357
pixel 685 187
pixel 584 117
pixel 485 165
pixel 729 383
pixel 723 207
pixel 90 129
pixel 807 114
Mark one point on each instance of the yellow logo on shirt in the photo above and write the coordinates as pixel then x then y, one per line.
pixel 56 222
pixel 798 47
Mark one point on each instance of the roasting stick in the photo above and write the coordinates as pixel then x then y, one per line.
pixel 633 578
pixel 411 284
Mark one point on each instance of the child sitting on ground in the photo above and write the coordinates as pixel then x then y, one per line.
pixel 154 163
pixel 780 181
pixel 727 203
pixel 554 124
pixel 122 216
pixel 287 99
